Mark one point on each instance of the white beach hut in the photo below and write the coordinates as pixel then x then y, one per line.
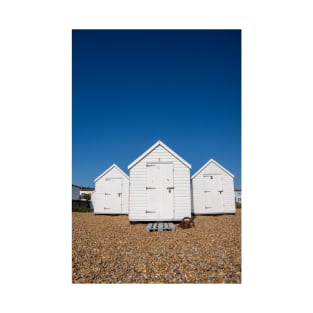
pixel 111 192
pixel 213 190
pixel 159 187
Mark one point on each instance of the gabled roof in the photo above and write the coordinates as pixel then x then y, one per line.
pixel 159 143
pixel 109 169
pixel 217 164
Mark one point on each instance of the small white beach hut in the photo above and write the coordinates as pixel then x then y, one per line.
pixel 111 192
pixel 159 187
pixel 213 190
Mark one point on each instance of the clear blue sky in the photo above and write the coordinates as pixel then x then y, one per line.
pixel 131 88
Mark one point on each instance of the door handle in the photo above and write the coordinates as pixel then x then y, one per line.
pixel 169 189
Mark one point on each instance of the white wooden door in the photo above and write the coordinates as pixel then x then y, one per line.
pixel 160 191
pixel 99 201
pixel 152 188
pixel 166 192
pixel 113 195
pixel 213 193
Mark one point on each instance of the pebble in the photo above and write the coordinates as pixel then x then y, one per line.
pixel 108 249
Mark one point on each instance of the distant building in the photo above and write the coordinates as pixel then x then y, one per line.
pixel 86 190
pixel 75 192
pixel 238 195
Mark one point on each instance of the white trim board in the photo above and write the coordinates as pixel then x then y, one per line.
pixel 159 143
pixel 109 169
pixel 217 164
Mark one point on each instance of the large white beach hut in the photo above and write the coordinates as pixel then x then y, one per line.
pixel 213 190
pixel 111 192
pixel 159 187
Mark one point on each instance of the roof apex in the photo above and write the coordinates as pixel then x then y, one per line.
pixel 217 164
pixel 109 169
pixel 162 144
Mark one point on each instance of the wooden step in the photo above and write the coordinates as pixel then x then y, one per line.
pixel 160 226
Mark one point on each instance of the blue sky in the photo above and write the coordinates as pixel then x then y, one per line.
pixel 131 88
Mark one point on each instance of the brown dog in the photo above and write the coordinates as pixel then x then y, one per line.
pixel 187 222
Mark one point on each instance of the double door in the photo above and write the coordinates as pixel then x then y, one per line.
pixel 160 191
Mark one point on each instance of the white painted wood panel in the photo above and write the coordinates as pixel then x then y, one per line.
pixel 179 197
pixel 209 197
pixel 111 194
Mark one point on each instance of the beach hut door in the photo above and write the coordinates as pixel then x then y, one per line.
pixel 113 195
pixel 160 191
pixel 213 192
